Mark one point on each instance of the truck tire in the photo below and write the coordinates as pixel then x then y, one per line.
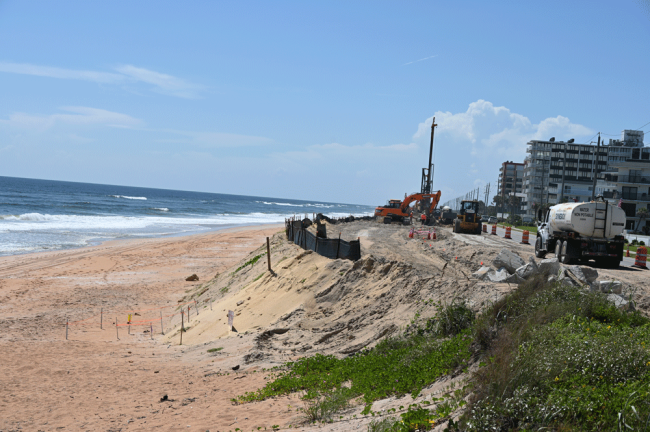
pixel 539 253
pixel 457 226
pixel 388 220
pixel 567 253
pixel 558 249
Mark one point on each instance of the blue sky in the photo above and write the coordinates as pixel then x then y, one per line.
pixel 328 101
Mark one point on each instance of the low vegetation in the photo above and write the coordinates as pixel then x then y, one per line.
pixel 396 366
pixel 557 357
pixel 551 357
pixel 250 262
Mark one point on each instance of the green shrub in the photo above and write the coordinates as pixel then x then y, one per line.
pixel 385 425
pixel 323 407
pixel 641 243
pixel 634 242
pixel 560 358
pixel 451 319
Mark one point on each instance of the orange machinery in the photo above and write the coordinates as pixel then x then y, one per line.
pixel 399 211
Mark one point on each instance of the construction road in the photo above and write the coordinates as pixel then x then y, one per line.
pixel 488 239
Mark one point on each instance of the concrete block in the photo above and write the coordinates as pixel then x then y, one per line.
pixel 584 273
pixel 550 266
pixel 515 278
pixel 482 273
pixel 498 276
pixel 615 287
pixel 526 271
pixel 618 301
pixel 509 260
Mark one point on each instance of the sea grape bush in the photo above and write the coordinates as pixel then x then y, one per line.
pixel 396 366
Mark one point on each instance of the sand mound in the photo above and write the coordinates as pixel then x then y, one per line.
pixel 314 304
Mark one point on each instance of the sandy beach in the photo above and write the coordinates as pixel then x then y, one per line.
pixel 93 381
pixel 309 304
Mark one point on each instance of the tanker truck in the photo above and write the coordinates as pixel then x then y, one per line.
pixel 579 232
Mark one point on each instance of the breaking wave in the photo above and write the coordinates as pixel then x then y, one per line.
pixel 129 197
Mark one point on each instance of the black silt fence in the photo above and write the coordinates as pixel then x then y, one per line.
pixel 330 248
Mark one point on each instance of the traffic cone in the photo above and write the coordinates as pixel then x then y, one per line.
pixel 628 250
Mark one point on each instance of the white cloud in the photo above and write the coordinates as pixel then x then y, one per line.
pixel 126 74
pixel 78 116
pixel 54 72
pixel 163 83
pixel 471 145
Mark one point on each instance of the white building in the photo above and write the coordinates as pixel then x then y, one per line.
pixel 558 171
pixel 627 178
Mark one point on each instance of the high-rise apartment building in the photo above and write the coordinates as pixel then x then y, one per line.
pixel 627 178
pixel 511 179
pixel 558 171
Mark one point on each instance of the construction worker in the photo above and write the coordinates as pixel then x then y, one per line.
pixel 423 219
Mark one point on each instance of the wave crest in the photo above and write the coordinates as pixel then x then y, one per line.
pixel 129 197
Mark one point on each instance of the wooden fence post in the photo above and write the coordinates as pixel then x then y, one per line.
pixel 182 326
pixel 268 253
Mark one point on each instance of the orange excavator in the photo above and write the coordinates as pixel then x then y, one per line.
pixel 399 211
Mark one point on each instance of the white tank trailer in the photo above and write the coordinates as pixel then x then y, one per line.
pixel 579 232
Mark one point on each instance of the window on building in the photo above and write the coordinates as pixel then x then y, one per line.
pixel 629 208
pixel 567 188
pixel 629 192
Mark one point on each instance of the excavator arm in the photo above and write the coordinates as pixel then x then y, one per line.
pixel 435 198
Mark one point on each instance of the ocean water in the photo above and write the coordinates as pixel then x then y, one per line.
pixel 43 215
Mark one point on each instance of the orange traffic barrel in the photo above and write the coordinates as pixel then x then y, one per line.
pixel 641 256
pixel 494 230
pixel 508 231
pixel 524 237
pixel 627 254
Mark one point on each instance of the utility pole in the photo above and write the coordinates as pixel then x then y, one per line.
pixel 593 188
pixel 563 171
pixel 498 191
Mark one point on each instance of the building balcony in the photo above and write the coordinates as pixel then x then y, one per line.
pixel 635 197
pixel 637 179
pixel 627 196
